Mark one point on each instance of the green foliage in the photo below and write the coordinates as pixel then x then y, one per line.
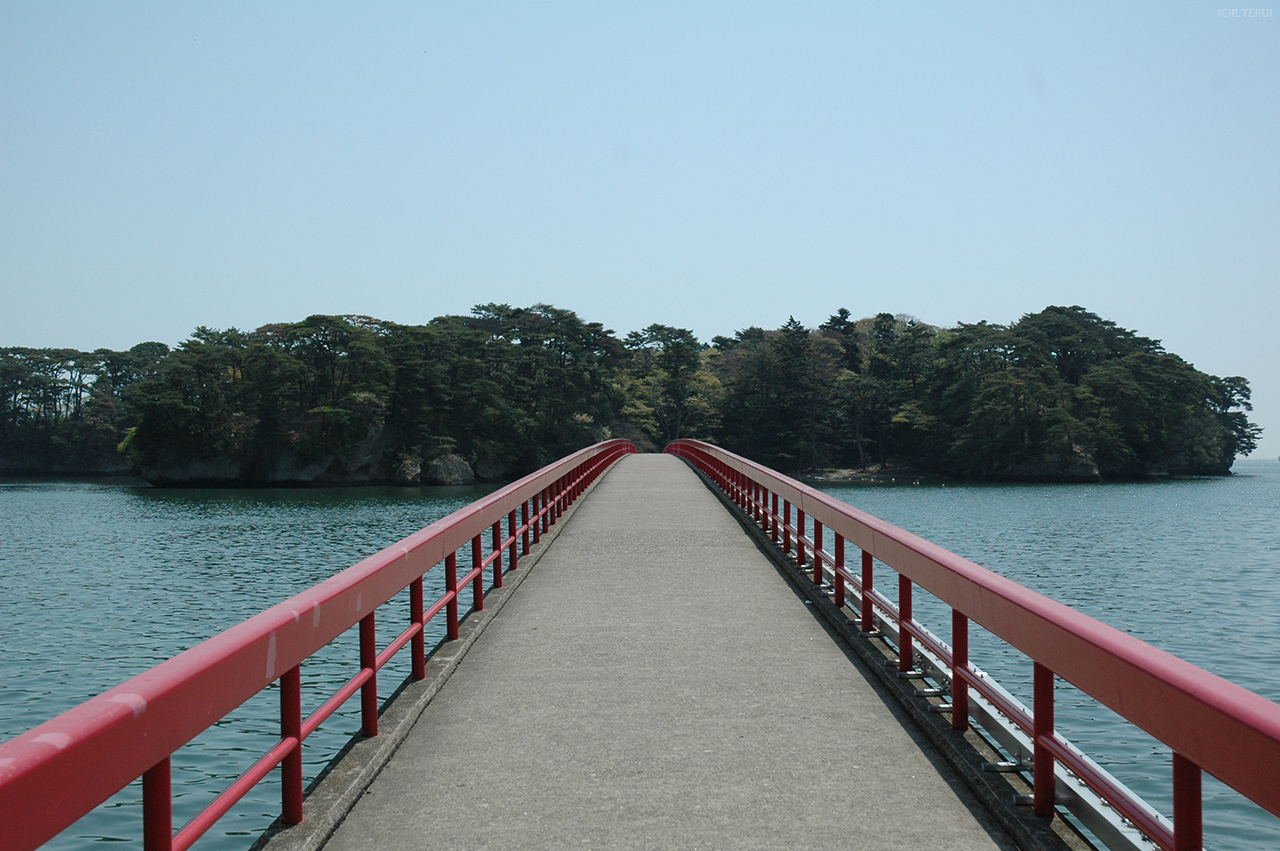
pixel 779 394
pixel 670 392
pixel 60 409
pixel 1059 394
pixel 507 388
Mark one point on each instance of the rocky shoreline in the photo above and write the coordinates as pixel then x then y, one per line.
pixel 366 468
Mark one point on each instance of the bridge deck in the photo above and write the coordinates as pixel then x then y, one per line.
pixel 656 683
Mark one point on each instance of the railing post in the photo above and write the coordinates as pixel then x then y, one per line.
pixel 291 728
pixel 524 524
pixel 1188 818
pixel 773 523
pixel 800 530
pixel 515 540
pixel 369 691
pixel 497 554
pixel 157 808
pixel 451 584
pixel 837 571
pixel 959 662
pixel 537 516
pixel 420 637
pixel 786 525
pixel 1042 769
pixel 477 584
pixel 817 553
pixel 906 655
pixel 868 577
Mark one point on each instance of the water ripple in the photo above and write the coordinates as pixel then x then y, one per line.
pixel 1189 565
pixel 101 582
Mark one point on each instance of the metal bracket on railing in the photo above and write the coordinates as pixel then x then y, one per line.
pixel 1008 766
pixel 1059 800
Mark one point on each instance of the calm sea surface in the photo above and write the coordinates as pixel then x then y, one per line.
pixel 1189 565
pixel 100 581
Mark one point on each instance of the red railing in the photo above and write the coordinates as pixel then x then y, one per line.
pixel 1210 724
pixel 55 773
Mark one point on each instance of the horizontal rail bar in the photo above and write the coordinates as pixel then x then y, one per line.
pixel 471 575
pixel 1094 810
pixel 341 696
pixel 999 699
pixel 222 804
pixel 439 606
pixel 1212 723
pixel 1109 790
pixel 978 683
pixel 396 645
pixel 92 750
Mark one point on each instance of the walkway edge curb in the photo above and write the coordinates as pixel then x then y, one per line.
pixel 335 791
pixel 960 751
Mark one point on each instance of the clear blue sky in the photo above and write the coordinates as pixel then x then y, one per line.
pixel 711 166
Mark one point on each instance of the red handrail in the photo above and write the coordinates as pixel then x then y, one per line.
pixel 55 773
pixel 1210 723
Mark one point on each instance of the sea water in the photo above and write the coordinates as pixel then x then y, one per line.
pixel 1190 565
pixel 99 581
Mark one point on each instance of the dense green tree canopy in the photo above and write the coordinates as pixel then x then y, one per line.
pixel 1059 394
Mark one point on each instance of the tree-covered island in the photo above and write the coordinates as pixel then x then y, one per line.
pixel 1059 395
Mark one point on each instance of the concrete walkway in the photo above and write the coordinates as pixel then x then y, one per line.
pixel 656 684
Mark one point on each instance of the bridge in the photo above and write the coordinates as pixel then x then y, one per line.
pixel 662 671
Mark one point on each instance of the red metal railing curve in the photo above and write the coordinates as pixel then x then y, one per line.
pixel 1209 723
pixel 55 773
